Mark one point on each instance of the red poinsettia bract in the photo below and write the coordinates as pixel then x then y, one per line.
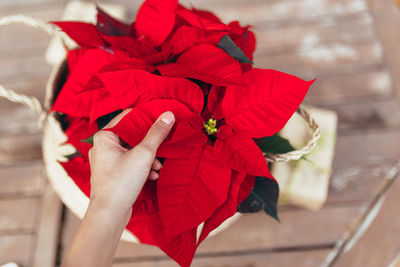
pixel 172 59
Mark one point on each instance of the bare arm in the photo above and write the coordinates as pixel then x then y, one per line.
pixel 118 175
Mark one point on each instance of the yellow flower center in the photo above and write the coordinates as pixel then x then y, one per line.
pixel 211 126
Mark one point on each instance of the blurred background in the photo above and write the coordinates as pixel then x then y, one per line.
pixel 351 46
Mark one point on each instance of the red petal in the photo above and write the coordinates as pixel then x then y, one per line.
pixel 183 139
pixel 145 223
pixel 79 170
pixel 244 39
pixel 134 126
pixel 155 20
pixel 240 152
pixel 201 19
pixel 186 37
pixel 206 63
pixel 246 187
pixel 84 34
pixel 128 64
pixel 131 87
pixel 226 210
pixel 69 101
pixel 207 15
pixel 80 129
pixel 190 189
pixel 73 57
pixel 103 105
pixel 265 104
pixel 127 43
pixel 215 100
pixel 111 26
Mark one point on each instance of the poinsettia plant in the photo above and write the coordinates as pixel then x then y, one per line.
pixel 227 115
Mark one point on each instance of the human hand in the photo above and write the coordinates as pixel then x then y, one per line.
pixel 117 173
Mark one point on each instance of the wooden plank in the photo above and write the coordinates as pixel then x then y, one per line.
pixel 271 41
pixel 295 12
pixel 382 239
pixel 22 180
pixel 18 119
pixel 25 147
pixel 371 114
pixel 259 232
pixel 262 233
pixel 356 183
pixel 33 84
pixel 16 248
pixel 314 58
pixel 386 21
pixel 260 259
pixel 29 6
pixel 22 66
pixel 366 147
pixel 349 88
pixel 19 215
pixel 48 229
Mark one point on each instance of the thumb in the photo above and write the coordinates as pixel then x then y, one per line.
pixel 158 132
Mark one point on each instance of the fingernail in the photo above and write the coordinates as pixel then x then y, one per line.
pixel 167 117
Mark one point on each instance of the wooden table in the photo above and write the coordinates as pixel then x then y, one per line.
pixel 351 46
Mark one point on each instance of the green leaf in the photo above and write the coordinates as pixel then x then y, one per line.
pixel 104 120
pixel 229 46
pixel 264 196
pixel 101 122
pixel 274 144
pixel 73 155
pixel 88 140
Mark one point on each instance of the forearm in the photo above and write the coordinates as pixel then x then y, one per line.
pixel 97 237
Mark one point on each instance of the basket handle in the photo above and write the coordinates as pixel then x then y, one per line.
pixel 30 101
pixel 297 154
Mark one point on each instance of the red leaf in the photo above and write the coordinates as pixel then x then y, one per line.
pixel 265 104
pixel 128 63
pixel 201 19
pixel 240 152
pixel 183 139
pixel 243 38
pixel 69 101
pixel 245 188
pixel 227 209
pixel 146 225
pixel 127 43
pixel 215 98
pixel 79 170
pixel 73 57
pixel 206 63
pixel 109 25
pixel 155 20
pixel 186 37
pixel 190 189
pixel 131 87
pixel 148 229
pixel 207 15
pixel 80 129
pixel 103 104
pixel 134 126
pixel 84 34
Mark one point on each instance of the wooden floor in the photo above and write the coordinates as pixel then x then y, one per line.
pixel 351 46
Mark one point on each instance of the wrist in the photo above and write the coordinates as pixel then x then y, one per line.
pixel 108 210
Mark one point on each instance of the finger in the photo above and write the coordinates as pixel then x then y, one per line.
pixel 102 138
pixel 117 118
pixel 158 132
pixel 153 175
pixel 156 165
